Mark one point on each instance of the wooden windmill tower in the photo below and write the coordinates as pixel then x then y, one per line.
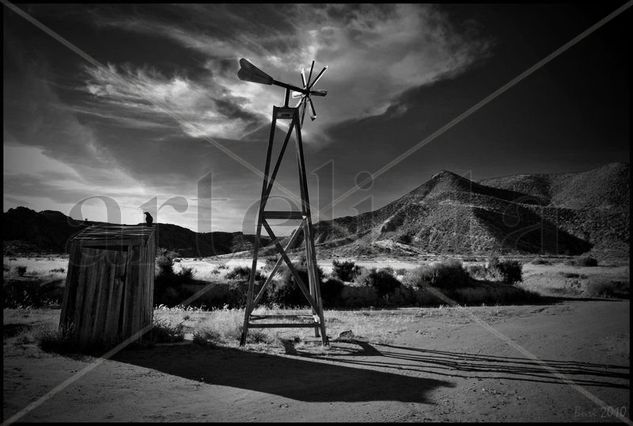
pixel 312 291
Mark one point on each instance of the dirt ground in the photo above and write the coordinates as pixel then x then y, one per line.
pixel 442 366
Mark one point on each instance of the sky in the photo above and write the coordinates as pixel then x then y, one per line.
pixel 139 108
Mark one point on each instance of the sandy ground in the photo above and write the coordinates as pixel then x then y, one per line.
pixel 441 366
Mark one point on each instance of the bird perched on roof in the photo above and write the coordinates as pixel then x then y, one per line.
pixel 148 219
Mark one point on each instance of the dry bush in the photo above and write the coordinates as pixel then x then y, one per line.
pixel 381 280
pixel 20 270
pixel 359 297
pixel 507 271
pixel 224 327
pixel 168 288
pixel 604 287
pixel 243 273
pixel 165 332
pixel 582 261
pixel 271 261
pixel 58 341
pixel 331 291
pixel 285 292
pixel 447 274
pixel 499 294
pixel 345 270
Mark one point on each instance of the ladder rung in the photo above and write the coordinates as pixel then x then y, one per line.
pixel 283 325
pixel 283 215
pixel 255 317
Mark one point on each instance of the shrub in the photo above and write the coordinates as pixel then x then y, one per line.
pixel 447 275
pixel 60 270
pixel 331 292
pixel 494 294
pixel 186 274
pixel 541 261
pixel 206 336
pixel 236 296
pixel 271 261
pixel 507 271
pixel 243 273
pixel 165 265
pixel 477 271
pixel 389 270
pixel 359 297
pixel 345 270
pixel 21 270
pixel 58 341
pixel 601 287
pixel 586 261
pixel 582 261
pixel 381 280
pixel 168 285
pixel 285 292
pixel 404 239
pixel 164 332
pixel 32 294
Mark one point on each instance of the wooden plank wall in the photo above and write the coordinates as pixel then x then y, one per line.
pixel 109 293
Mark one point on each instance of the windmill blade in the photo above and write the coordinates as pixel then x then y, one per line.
pixel 310 75
pixel 313 116
pixel 299 103
pixel 318 92
pixel 303 79
pixel 295 95
pixel 318 77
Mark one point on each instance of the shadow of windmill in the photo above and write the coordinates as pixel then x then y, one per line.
pixel 296 378
pixel 466 365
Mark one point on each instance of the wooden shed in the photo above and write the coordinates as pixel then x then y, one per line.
pixel 109 291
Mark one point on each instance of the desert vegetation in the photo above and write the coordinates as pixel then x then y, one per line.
pixel 345 284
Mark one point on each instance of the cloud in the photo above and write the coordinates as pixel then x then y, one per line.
pixel 374 54
pixel 201 110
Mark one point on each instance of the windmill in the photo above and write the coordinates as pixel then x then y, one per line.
pixel 312 292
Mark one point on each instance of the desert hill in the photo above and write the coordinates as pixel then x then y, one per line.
pixel 569 213
pixel 25 230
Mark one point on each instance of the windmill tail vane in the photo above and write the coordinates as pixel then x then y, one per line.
pixel 249 72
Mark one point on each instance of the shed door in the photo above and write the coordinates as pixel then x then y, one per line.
pixel 100 294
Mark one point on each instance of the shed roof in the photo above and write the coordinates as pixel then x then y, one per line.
pixel 115 234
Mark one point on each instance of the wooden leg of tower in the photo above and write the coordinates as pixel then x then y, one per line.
pixel 251 286
pixel 262 204
pixel 312 277
pixel 315 287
